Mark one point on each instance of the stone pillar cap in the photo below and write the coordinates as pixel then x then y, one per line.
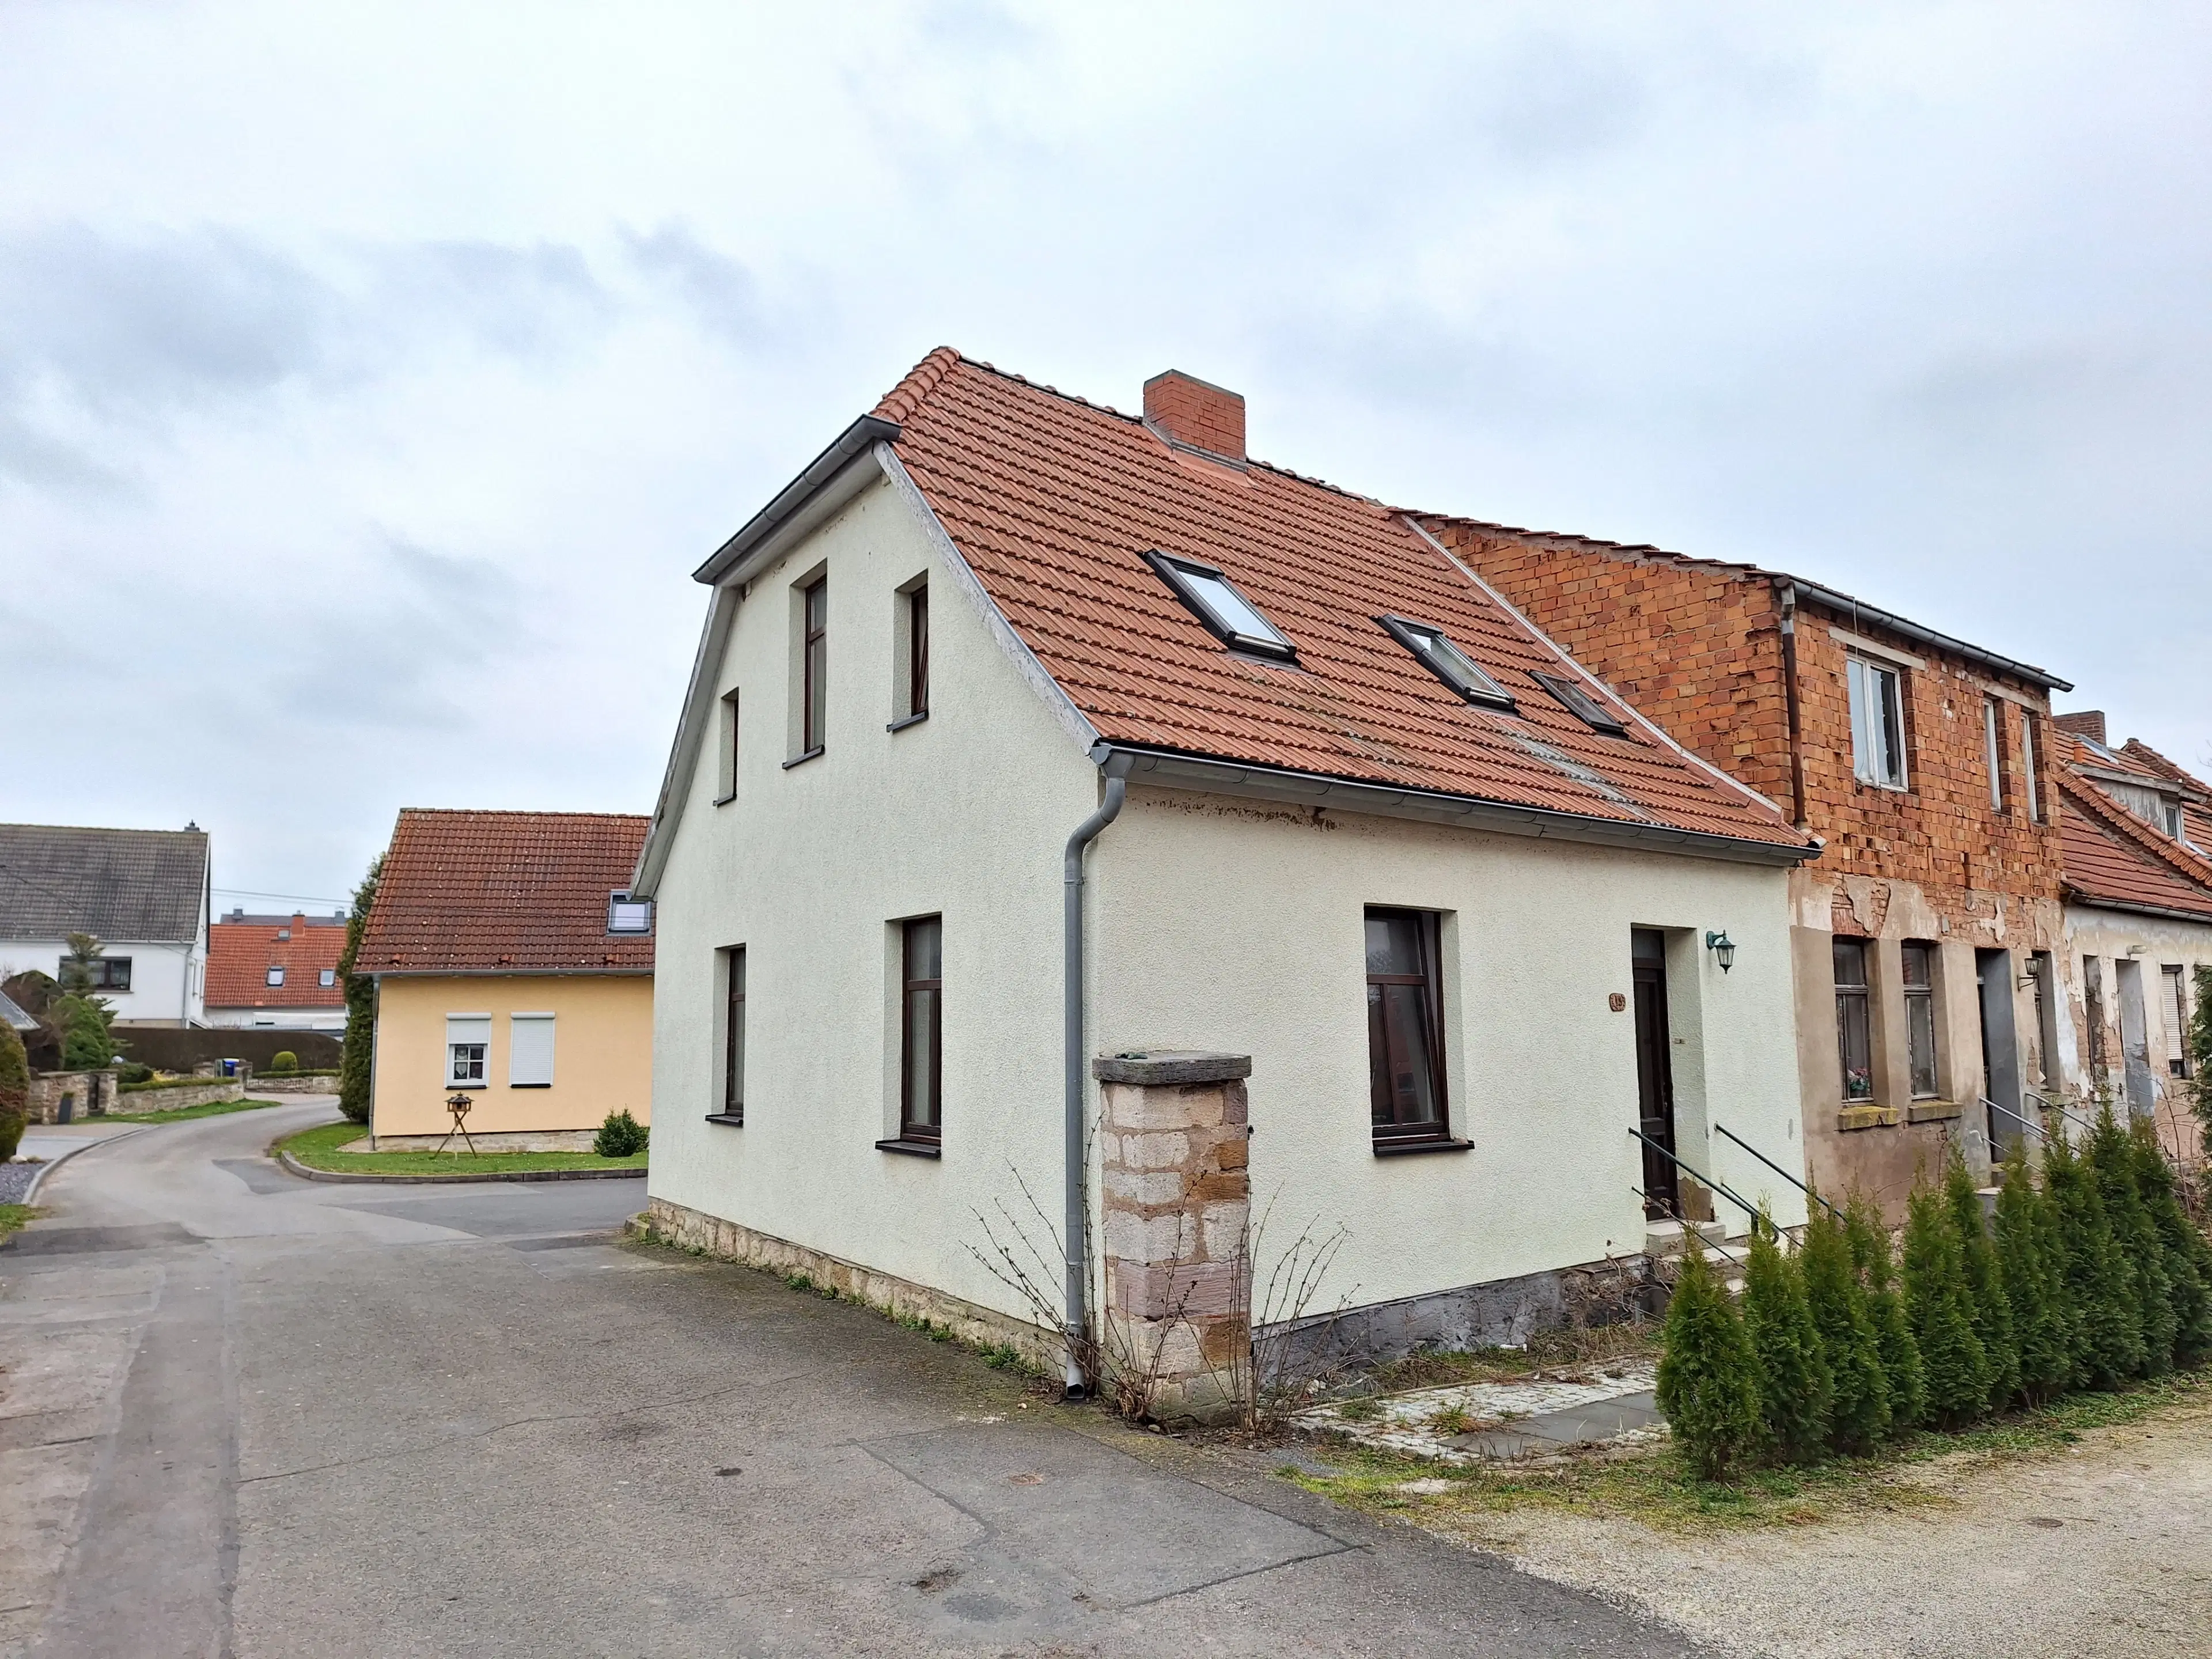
pixel 1169 1066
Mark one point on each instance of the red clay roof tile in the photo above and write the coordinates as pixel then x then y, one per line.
pixel 511 892
pixel 2111 857
pixel 1051 501
pixel 241 953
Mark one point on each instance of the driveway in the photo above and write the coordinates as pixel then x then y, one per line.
pixel 248 1414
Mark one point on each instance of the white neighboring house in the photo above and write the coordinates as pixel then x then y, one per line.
pixel 1354 819
pixel 143 893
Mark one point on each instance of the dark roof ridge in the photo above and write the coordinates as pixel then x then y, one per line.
pixel 101 829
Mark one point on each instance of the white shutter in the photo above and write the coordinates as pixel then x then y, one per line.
pixel 468 1028
pixel 530 1050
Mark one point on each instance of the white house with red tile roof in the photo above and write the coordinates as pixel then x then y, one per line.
pixel 277 972
pixel 1347 817
pixel 2138 893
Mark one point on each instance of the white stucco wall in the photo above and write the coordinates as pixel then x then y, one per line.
pixel 963 815
pixel 2156 942
pixel 1236 926
pixel 167 981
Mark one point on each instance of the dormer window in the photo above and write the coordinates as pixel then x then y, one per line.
pixel 1585 708
pixel 1214 599
pixel 1448 662
pixel 626 914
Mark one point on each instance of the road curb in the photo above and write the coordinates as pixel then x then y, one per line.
pixel 31 1196
pixel 306 1173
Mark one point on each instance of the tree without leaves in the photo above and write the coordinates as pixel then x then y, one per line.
pixel 1859 1416
pixel 1875 1264
pixel 1795 1390
pixel 353 1078
pixel 1708 1377
pixel 1941 1310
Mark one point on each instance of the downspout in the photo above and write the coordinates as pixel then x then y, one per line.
pixel 1077 1218
pixel 1787 590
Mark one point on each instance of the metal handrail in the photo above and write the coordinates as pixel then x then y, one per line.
pixel 2049 1104
pixel 1751 1210
pixel 2016 1118
pixel 1723 1129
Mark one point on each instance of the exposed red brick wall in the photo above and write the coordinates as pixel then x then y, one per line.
pixel 1695 647
pixel 1192 413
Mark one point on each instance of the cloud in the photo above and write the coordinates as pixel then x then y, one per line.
pixel 721 294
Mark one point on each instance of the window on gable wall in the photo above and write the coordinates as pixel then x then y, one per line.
pixel 1877 724
pixel 726 749
pixel 814 644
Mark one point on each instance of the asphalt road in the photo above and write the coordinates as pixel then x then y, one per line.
pixel 246 1414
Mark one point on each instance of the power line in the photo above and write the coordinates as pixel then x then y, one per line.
pixel 247 892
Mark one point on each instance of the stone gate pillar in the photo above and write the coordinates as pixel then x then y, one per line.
pixel 1176 1207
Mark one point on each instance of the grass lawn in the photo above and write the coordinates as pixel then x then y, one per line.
pixel 178 1114
pixel 12 1216
pixel 1653 1485
pixel 319 1150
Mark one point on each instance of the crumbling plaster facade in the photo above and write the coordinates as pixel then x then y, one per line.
pixel 1739 668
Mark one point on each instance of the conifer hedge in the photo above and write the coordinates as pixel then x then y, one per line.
pixel 2091 1278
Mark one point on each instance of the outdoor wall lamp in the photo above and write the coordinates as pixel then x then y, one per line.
pixel 1722 947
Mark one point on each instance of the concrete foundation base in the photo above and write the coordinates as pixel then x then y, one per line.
pixel 510 1140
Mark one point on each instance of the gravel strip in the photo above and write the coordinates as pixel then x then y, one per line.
pixel 15 1179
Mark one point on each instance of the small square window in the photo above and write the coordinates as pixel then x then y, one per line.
pixel 1234 619
pixel 1447 662
pixel 1585 708
pixel 326 977
pixel 626 914
pixel 276 976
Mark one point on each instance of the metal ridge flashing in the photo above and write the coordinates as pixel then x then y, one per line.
pixel 1829 598
pixel 1172 768
pixel 854 440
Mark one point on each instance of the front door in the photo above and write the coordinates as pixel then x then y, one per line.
pixel 1654 1070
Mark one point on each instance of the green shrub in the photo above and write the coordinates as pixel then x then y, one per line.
pixel 360 1045
pixel 1858 1417
pixel 131 1072
pixel 1875 1263
pixel 1708 1377
pixel 1956 1366
pixel 2136 1236
pixel 2188 1256
pixel 86 1044
pixel 620 1136
pixel 1990 1308
pixel 2034 1287
pixel 1795 1391
pixel 2200 1052
pixel 15 1090
pixel 284 1060
pixel 2110 1344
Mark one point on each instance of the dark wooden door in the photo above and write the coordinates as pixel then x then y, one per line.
pixel 1654 1070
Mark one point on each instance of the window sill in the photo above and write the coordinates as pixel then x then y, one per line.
pixel 1410 1145
pixel 911 1148
pixel 724 800
pixel 1886 788
pixel 1866 1116
pixel 466 1085
pixel 801 760
pixel 1933 1111
pixel 905 721
pixel 735 1119
pixel 529 1086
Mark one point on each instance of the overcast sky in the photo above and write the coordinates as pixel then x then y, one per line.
pixel 371 378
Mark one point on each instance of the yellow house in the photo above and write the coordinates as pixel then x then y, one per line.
pixel 512 970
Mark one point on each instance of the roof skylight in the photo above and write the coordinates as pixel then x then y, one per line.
pixel 1234 619
pixel 1448 662
pixel 1592 713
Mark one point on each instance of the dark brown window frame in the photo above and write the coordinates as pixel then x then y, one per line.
pixel 926 1134
pixel 734 725
pixel 917 652
pixel 733 1039
pixel 814 667
pixel 1398 1135
pixel 1921 993
pixel 1860 992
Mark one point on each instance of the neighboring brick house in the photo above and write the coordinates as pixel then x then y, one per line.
pixel 512 966
pixel 276 972
pixel 2138 919
pixel 1931 930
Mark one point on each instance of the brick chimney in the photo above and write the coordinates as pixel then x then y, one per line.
pixel 1194 414
pixel 2087 723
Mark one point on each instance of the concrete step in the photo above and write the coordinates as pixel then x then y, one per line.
pixel 1664 1239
